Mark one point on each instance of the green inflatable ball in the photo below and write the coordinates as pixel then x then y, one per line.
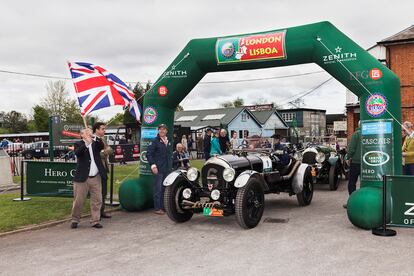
pixel 365 208
pixel 136 194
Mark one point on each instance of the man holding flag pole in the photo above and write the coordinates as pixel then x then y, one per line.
pixel 96 88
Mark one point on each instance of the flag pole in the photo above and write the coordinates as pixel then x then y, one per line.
pixel 84 121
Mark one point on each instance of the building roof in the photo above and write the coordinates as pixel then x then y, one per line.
pixel 330 118
pixel 301 109
pixel 405 36
pixel 263 115
pixel 209 117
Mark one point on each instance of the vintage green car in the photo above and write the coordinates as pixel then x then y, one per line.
pixel 326 164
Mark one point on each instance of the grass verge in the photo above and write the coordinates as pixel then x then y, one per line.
pixel 14 215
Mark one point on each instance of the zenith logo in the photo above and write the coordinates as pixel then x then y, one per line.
pixel 339 56
pixel 409 212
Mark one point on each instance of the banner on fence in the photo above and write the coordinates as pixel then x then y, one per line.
pixel 124 153
pixel 402 200
pixel 46 178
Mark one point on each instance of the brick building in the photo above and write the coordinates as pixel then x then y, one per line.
pixel 397 53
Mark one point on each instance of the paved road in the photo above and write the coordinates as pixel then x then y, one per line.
pixel 317 240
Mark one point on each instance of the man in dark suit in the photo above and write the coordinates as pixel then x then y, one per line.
pixel 87 177
pixel 99 129
pixel 159 158
pixel 207 144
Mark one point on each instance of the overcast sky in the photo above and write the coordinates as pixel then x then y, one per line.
pixel 137 40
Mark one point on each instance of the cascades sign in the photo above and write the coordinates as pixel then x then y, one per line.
pixel 377 149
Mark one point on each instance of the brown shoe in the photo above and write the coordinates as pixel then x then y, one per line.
pixel 159 212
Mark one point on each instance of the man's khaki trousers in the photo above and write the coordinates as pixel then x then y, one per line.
pixel 80 192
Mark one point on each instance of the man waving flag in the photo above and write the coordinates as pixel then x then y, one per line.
pixel 97 88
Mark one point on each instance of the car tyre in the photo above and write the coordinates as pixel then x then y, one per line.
pixel 249 204
pixel 305 196
pixel 345 170
pixel 335 174
pixel 172 199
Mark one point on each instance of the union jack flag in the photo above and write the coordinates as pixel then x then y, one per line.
pixel 97 88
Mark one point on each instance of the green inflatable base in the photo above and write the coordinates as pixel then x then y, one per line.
pixel 365 208
pixel 137 194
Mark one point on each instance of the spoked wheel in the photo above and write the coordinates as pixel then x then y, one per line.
pixel 173 197
pixel 249 204
pixel 335 174
pixel 305 197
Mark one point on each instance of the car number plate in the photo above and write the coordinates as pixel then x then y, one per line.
pixel 212 212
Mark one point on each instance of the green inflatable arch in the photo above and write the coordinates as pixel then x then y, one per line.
pixel 320 43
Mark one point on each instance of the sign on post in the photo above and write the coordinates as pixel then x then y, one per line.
pixel 376 149
pixel 50 178
pixel 402 200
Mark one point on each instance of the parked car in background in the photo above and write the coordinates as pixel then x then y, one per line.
pixel 326 164
pixel 14 149
pixel 41 149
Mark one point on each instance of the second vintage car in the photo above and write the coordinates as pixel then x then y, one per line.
pixel 326 165
pixel 235 184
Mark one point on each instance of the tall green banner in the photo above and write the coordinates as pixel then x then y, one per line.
pixel 402 200
pixel 377 149
pixel 50 178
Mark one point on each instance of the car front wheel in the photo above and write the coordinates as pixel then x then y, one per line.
pixel 305 196
pixel 335 173
pixel 28 156
pixel 172 202
pixel 249 204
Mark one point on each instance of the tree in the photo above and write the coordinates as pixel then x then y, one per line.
pixel 179 108
pixel 2 114
pixel 59 102
pixel 31 126
pixel 139 92
pixel 238 102
pixel 56 98
pixel 72 113
pixel 41 118
pixel 15 122
pixel 227 104
pixel 117 120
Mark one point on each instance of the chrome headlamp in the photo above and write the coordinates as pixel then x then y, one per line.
pixel 187 193
pixel 192 174
pixel 320 157
pixel 228 174
pixel 215 195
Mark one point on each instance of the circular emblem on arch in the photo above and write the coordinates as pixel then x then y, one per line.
pixel 150 115
pixel 376 105
pixel 227 50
